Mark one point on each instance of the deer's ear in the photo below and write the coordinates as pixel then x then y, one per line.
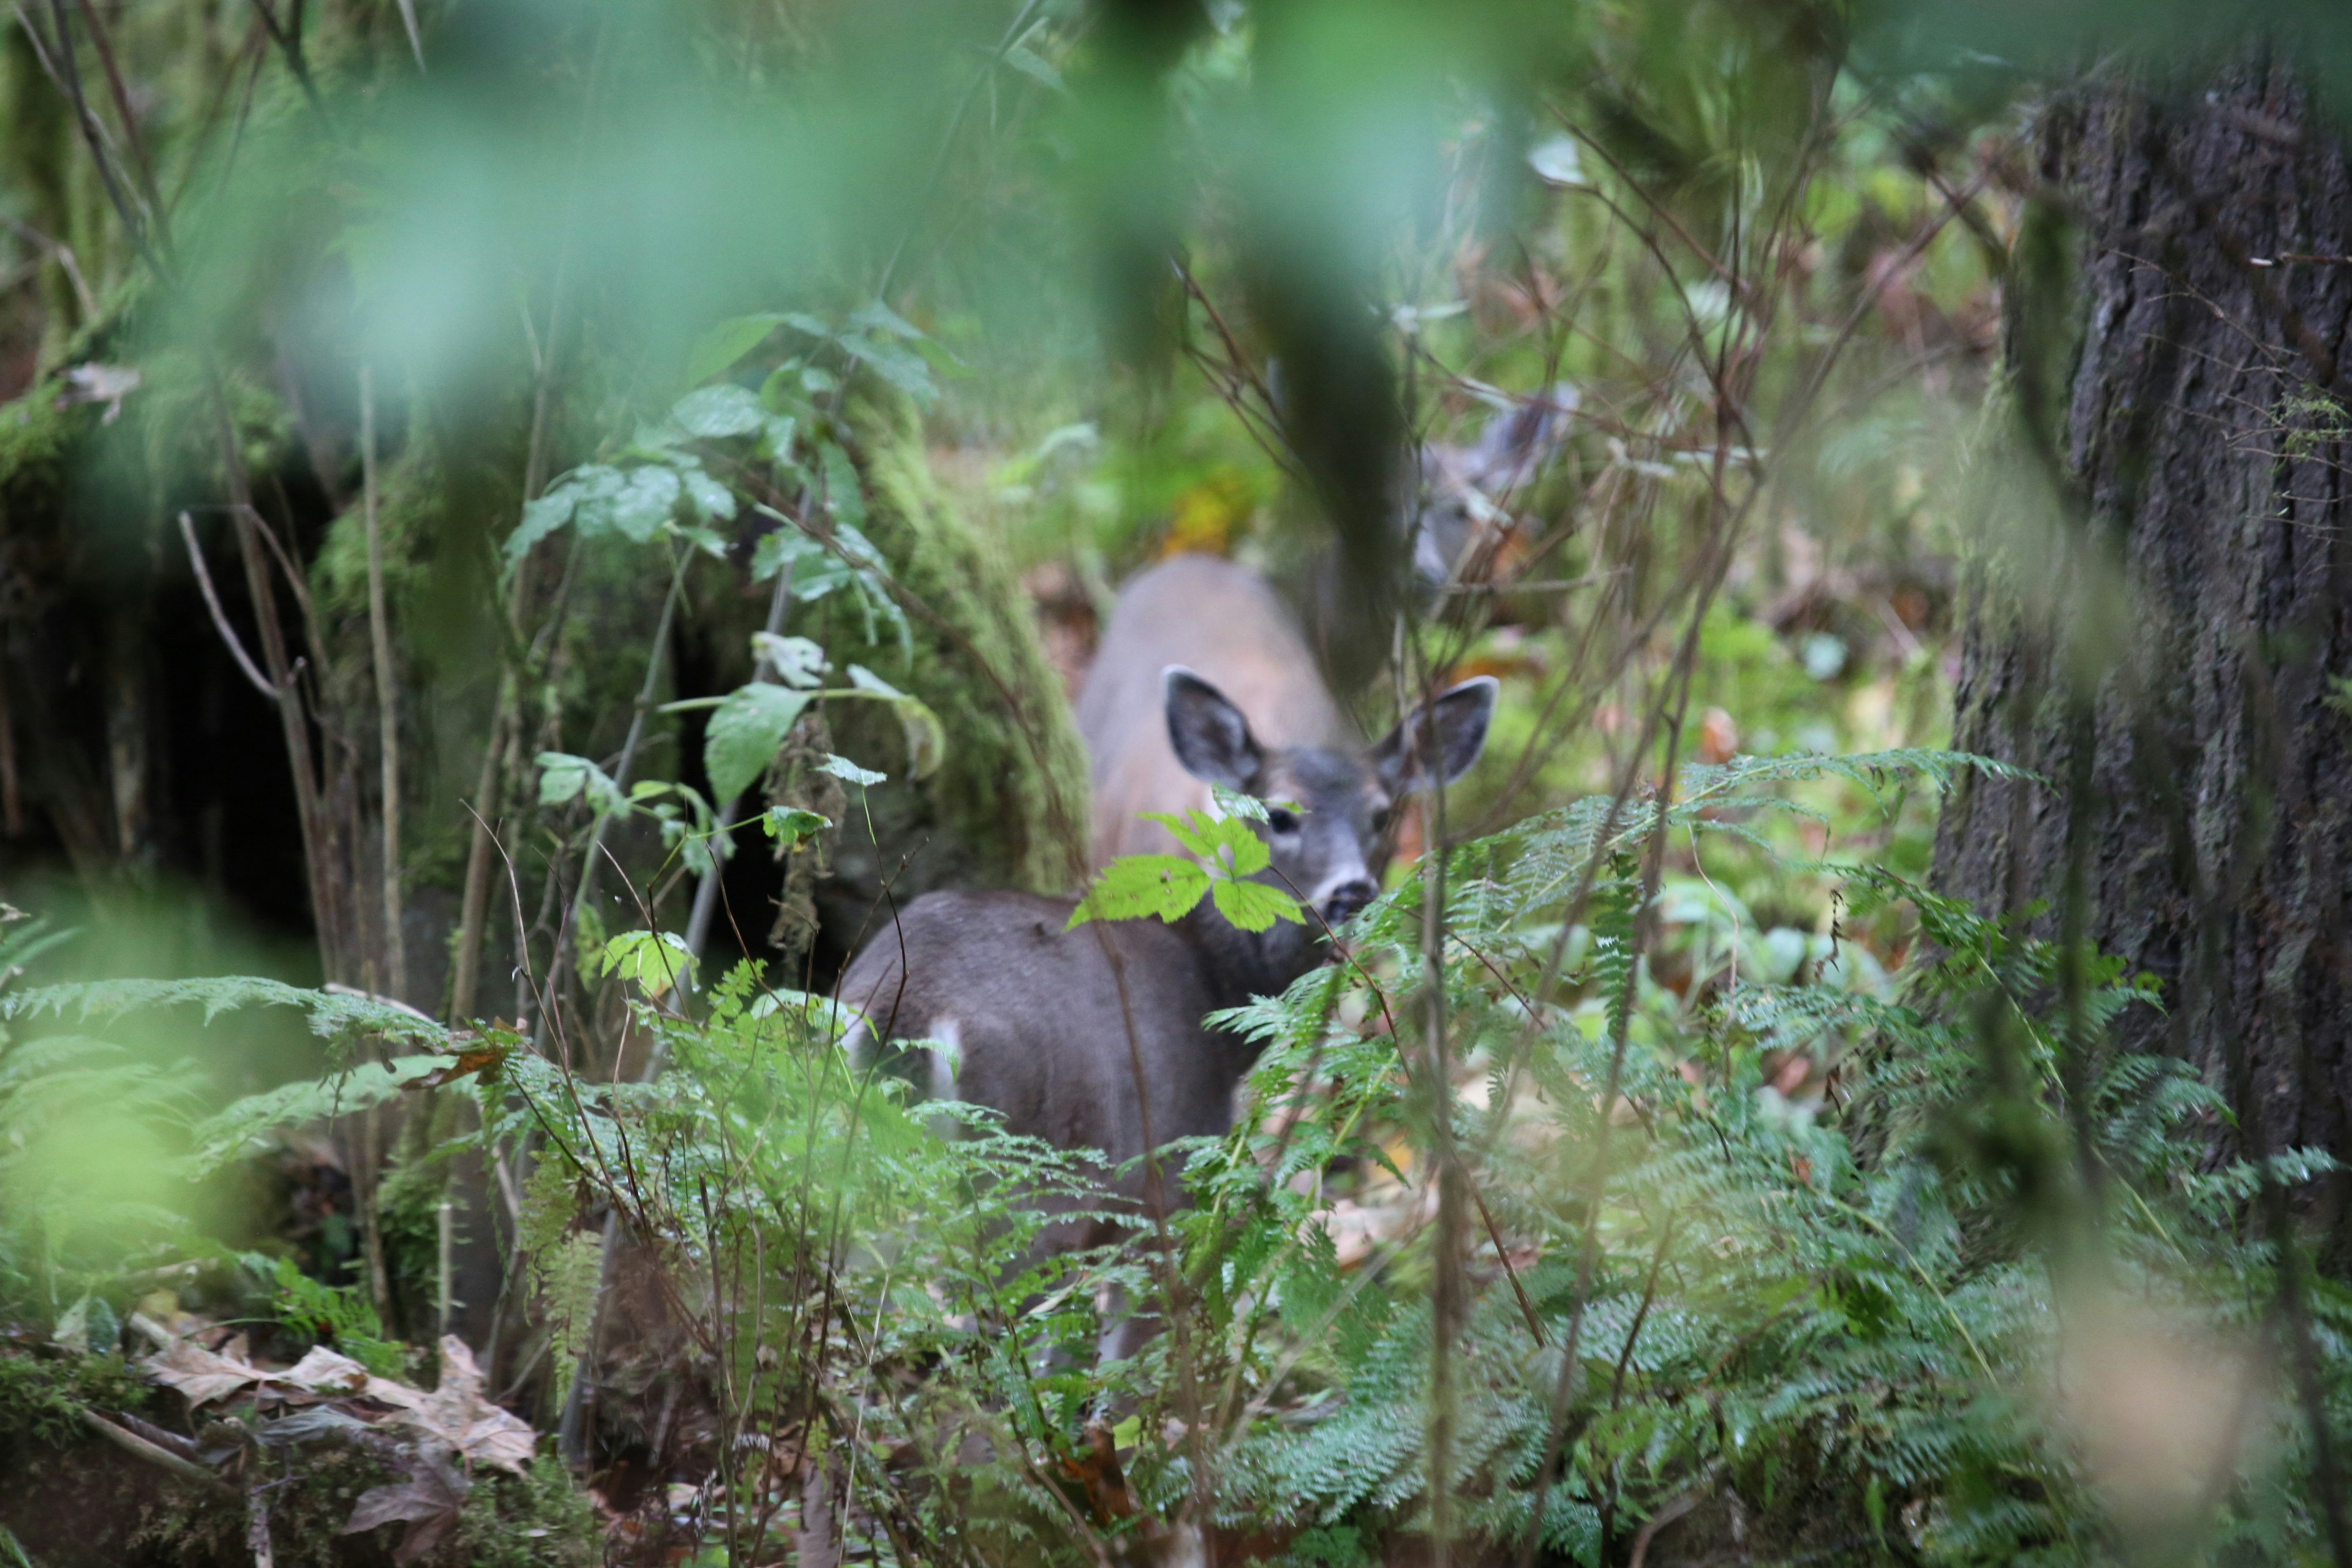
pixel 1516 443
pixel 1443 736
pixel 1209 736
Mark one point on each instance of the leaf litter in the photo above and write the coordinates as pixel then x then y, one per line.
pixel 430 1440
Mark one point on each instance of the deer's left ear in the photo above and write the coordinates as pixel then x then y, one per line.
pixel 1443 737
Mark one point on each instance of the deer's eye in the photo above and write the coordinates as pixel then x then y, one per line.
pixel 1281 821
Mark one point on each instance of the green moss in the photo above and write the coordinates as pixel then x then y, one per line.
pixel 36 438
pixel 1012 790
pixel 535 1521
pixel 44 1399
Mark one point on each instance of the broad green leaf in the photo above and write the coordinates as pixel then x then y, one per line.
pixel 564 778
pixel 745 735
pixel 1253 906
pixel 636 507
pixel 727 342
pixel 901 367
pixel 1134 886
pixel 652 961
pixel 879 317
pixel 846 497
pixel 1217 840
pixel 712 412
pixel 843 768
pixel 540 519
pixel 711 500
pixel 925 737
pixel 791 826
pixel 776 440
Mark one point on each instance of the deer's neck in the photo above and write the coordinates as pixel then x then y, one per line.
pixel 1240 964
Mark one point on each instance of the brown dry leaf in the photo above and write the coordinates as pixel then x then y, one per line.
pixel 322 1370
pixel 456 1413
pixel 428 1501
pixel 198 1374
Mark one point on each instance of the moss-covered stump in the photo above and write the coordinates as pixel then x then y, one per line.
pixel 69 1498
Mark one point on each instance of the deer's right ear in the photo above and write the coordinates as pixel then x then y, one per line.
pixel 1209 735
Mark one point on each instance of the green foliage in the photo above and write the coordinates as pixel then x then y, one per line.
pixel 1169 887
pixel 338 1314
pixel 1828 1310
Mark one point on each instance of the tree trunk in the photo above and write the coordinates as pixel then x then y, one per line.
pixel 2165 654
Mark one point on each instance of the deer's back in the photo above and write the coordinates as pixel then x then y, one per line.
pixel 1034 1013
pixel 1224 623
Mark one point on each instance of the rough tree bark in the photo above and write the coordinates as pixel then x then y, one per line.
pixel 2164 655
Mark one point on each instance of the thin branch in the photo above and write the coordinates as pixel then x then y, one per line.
pixel 220 619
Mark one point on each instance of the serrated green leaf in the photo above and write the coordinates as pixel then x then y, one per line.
pixel 714 412
pixel 746 732
pixel 792 826
pixel 901 367
pixel 1134 886
pixel 540 519
pixel 564 778
pixel 879 317
pixel 719 348
pixel 1253 906
pixel 712 501
pixel 635 506
pixel 651 961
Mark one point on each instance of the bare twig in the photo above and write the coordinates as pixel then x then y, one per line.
pixel 220 619
pixel 387 695
pixel 131 1442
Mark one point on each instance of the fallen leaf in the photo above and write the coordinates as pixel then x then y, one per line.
pixel 457 1415
pixel 428 1501
pixel 322 1370
pixel 198 1374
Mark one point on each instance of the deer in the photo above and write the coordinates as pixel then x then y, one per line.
pixel 1095 1038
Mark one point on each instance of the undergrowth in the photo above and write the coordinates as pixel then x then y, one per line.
pixel 1832 1325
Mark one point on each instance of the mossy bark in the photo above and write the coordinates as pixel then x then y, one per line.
pixel 2168 658
pixel 1008 804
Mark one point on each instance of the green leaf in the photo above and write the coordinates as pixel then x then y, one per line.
pixel 564 778
pixel 730 340
pixel 635 506
pixel 846 497
pixel 745 733
pixel 901 367
pixel 1134 886
pixel 925 737
pixel 711 500
pixel 776 440
pixel 540 519
pixel 1218 841
pixel 713 413
pixel 791 826
pixel 244 1127
pixel 1253 906
pixel 652 961
pixel 1029 64
pixel 843 768
pixel 879 317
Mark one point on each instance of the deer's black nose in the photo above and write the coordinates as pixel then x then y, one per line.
pixel 1349 900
